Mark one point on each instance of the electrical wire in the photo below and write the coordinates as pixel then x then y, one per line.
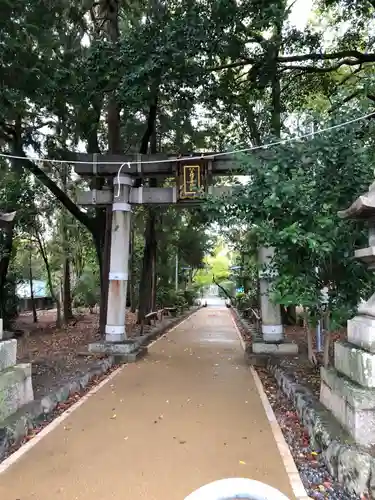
pixel 192 158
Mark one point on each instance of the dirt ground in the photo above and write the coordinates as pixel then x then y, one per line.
pixel 300 367
pixel 56 354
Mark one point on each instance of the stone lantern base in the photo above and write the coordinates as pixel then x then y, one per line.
pixel 348 389
pixel 16 387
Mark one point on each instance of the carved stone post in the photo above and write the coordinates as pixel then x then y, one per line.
pixel 272 341
pixel 272 327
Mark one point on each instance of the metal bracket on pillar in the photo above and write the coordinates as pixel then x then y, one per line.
pixel 116 330
pixel 123 180
pixel 139 163
pixel 115 276
pixel 272 329
pixel 95 164
pixel 121 207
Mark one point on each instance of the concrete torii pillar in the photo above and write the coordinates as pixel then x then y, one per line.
pixel 272 341
pixel 272 327
pixel 119 261
pixel 116 340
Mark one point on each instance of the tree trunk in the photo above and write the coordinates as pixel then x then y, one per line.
pixel 310 348
pixel 109 11
pixel 327 339
pixel 35 316
pixel 93 224
pixel 6 244
pixel 102 242
pixel 147 285
pixel 54 296
pixel 149 254
pixel 67 297
pixel 276 105
pixel 132 288
pixel 153 276
pixel 154 247
pixel 105 268
pixel 289 315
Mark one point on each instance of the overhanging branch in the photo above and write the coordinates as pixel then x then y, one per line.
pixel 343 57
pixel 352 55
pixel 62 197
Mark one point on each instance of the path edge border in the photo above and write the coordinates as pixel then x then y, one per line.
pixel 349 464
pixel 294 477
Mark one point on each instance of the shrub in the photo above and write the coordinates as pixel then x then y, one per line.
pixel 86 293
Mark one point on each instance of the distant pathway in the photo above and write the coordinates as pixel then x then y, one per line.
pixel 188 414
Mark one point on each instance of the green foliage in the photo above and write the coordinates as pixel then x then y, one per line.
pixel 216 267
pixel 190 295
pixel 86 293
pixel 229 287
pixel 61 67
pixel 295 196
pixel 246 300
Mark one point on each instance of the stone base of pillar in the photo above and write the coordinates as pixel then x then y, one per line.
pixel 348 389
pixel 351 404
pixel 127 352
pixel 16 388
pixel 273 333
pixel 276 349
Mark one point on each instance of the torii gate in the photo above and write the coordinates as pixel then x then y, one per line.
pixel 193 179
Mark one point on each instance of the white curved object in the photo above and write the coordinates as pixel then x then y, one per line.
pixel 228 489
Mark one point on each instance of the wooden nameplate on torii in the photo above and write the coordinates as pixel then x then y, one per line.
pixel 192 180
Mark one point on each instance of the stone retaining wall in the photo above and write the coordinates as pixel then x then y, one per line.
pixel 351 465
pixel 17 426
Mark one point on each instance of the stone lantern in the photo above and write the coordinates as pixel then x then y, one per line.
pixel 16 387
pixel 348 389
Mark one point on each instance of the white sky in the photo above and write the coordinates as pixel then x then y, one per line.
pixel 300 13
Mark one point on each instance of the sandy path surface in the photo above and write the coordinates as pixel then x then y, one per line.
pixel 188 414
